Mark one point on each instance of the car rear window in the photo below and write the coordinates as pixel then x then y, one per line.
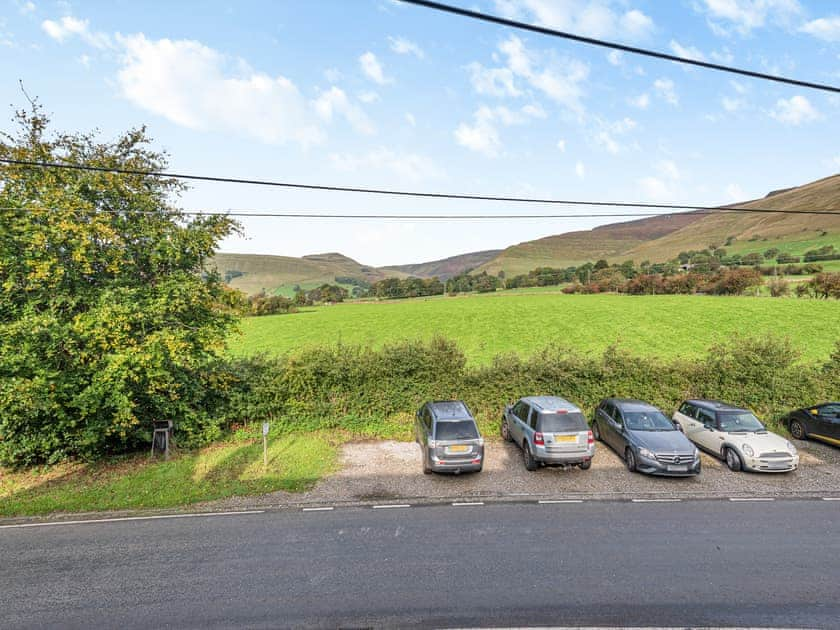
pixel 453 409
pixel 456 430
pixel 562 422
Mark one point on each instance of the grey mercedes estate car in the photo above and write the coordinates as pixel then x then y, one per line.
pixel 550 431
pixel 448 437
pixel 646 439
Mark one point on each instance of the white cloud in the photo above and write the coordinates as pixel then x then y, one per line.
pixel 334 102
pixel 333 75
pixel 615 57
pixel 187 83
pixel 642 101
pixel 492 81
pixel 827 28
pixel 534 110
pixel 26 7
pixel 483 135
pixel 794 111
pixel 410 119
pixel 745 15
pixel 669 169
pixel 686 52
pixel 84 60
pixel 665 89
pixel 580 170
pixel 594 18
pixel 403 46
pixel 560 78
pixel 68 26
pixel 836 161
pixel 607 132
pixel 373 69
pixel 406 166
pixel 735 193
pixel 561 144
pixel 662 187
pixel 655 189
pixel 636 24
pixel 732 104
pixel 369 97
pixel 738 87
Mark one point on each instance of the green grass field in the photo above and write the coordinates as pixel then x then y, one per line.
pixel 233 468
pixel 492 324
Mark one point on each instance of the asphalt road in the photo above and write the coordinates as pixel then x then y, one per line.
pixel 711 563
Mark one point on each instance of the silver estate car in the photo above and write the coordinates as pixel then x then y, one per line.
pixel 550 431
pixel 448 437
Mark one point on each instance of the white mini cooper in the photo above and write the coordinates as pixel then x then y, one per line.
pixel 736 436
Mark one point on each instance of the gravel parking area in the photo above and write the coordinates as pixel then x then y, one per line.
pixel 383 471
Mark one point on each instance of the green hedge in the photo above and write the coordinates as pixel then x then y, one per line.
pixel 375 392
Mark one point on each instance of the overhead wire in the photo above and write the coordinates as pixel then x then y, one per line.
pixel 594 41
pixel 417 194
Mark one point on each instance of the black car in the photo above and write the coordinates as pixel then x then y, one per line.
pixel 820 422
pixel 645 437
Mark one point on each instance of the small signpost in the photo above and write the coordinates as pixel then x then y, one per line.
pixel 265 428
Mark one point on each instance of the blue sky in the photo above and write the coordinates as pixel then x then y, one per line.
pixel 379 93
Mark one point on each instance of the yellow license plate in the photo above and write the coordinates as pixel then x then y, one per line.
pixel 458 449
pixel 565 438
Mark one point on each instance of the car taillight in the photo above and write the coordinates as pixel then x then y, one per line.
pixel 538 439
pixel 590 438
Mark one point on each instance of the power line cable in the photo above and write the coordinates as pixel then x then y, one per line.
pixel 409 193
pixel 485 17
pixel 246 213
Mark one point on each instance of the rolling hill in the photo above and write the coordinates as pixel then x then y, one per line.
pixel 252 273
pixel 656 239
pixel 661 238
pixel 448 267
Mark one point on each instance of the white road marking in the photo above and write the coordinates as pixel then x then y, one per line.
pixel 547 501
pixel 746 499
pixel 467 503
pixel 318 509
pixel 394 505
pixel 131 518
pixel 831 498
pixel 656 500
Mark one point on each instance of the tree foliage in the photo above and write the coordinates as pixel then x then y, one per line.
pixel 109 318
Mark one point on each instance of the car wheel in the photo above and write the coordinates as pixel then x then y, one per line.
pixel 506 431
pixel 797 430
pixel 630 460
pixel 733 460
pixel 427 470
pixel 596 432
pixel 530 462
pixel 585 465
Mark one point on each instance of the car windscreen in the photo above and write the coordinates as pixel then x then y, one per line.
pixel 562 422
pixel 734 422
pixel 647 421
pixel 456 430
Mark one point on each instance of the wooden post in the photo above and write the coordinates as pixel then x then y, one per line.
pixel 265 428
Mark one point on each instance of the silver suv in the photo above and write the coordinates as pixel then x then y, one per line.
pixel 448 436
pixel 550 431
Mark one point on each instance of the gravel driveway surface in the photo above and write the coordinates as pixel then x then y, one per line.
pixel 382 471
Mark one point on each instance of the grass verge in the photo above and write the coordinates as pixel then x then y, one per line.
pixel 234 468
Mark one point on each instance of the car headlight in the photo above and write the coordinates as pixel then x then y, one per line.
pixel 791 448
pixel 696 453
pixel 747 449
pixel 647 453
